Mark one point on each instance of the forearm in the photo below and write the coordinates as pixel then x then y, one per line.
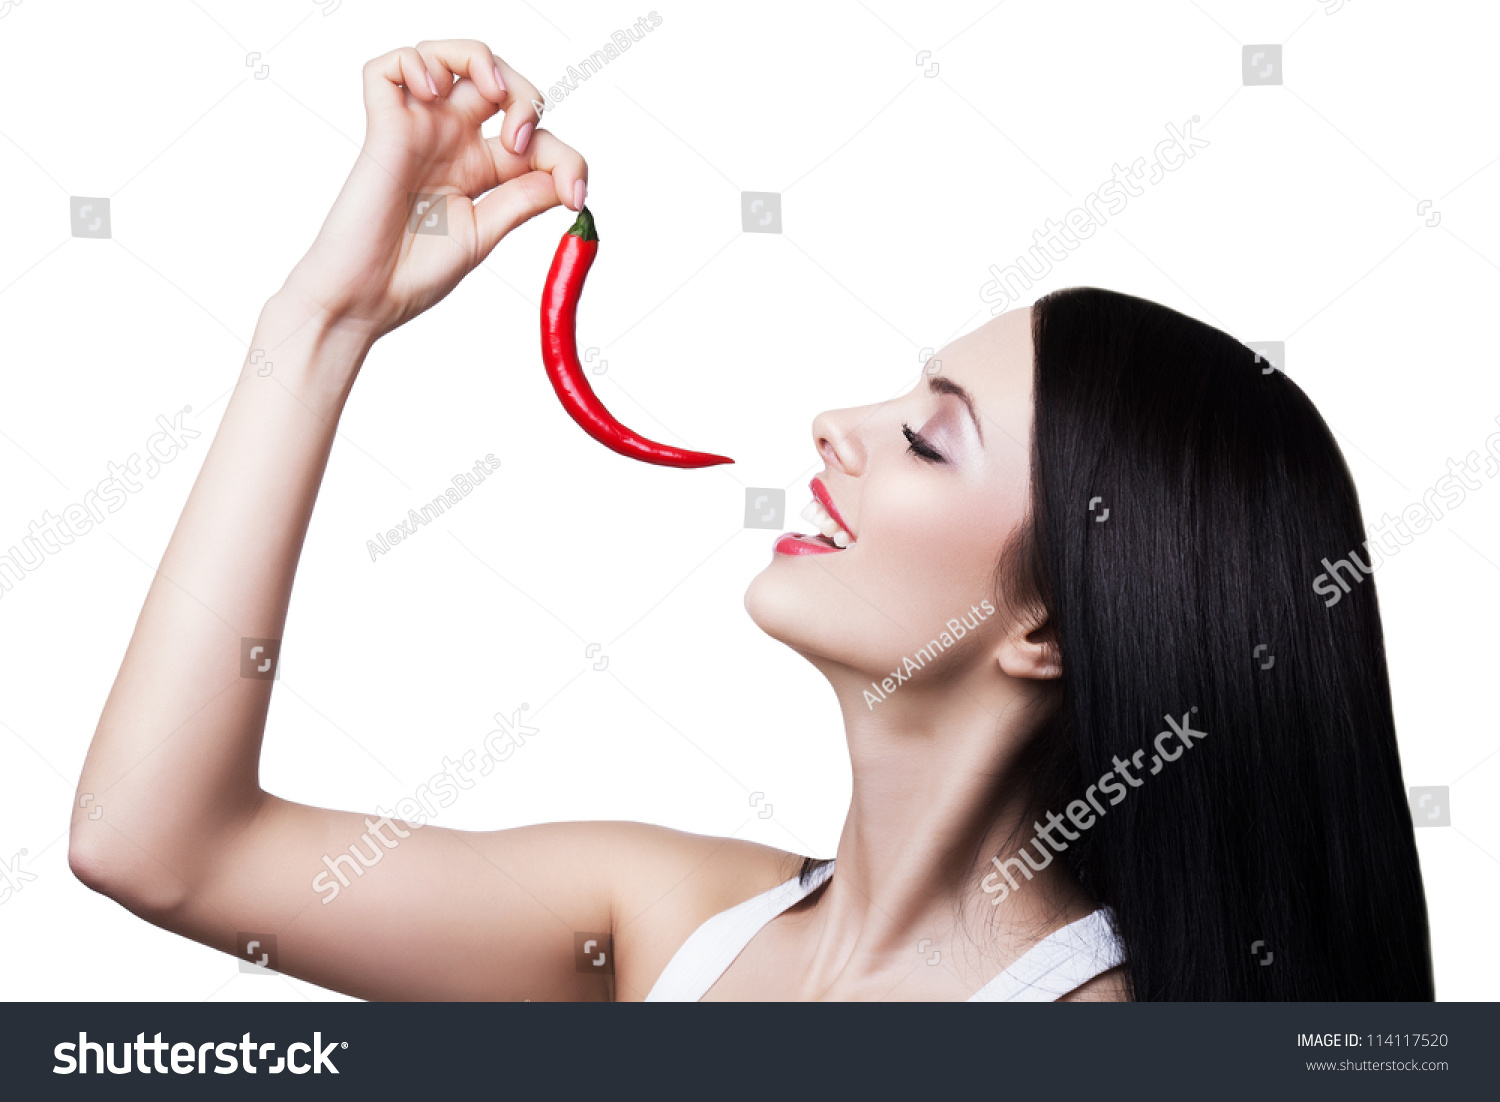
pixel 174 762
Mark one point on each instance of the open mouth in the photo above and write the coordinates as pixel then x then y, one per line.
pixel 832 533
pixel 794 543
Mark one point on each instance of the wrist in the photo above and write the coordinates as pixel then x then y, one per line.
pixel 305 347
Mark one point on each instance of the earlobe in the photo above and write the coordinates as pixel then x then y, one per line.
pixel 1034 662
pixel 1030 651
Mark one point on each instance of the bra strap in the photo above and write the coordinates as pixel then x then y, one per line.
pixel 1062 961
pixel 713 946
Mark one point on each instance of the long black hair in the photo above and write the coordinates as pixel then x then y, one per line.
pixel 1184 493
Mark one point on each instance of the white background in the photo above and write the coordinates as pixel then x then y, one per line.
pixel 1299 223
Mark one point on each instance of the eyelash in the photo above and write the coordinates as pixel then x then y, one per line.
pixel 919 447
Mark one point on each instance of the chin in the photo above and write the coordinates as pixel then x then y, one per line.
pixel 781 609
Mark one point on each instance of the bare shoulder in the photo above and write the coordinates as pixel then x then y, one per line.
pixel 1107 987
pixel 665 883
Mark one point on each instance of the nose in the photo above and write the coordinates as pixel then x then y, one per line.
pixel 836 435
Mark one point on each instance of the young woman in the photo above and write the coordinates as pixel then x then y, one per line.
pixel 1107 740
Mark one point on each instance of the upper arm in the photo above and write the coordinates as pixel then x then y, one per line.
pixel 380 909
pixel 436 914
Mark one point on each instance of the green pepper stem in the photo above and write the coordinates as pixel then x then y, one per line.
pixel 584 227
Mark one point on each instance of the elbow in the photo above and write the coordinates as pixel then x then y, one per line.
pixel 87 863
pixel 125 873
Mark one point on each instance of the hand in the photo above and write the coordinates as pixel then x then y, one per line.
pixel 366 272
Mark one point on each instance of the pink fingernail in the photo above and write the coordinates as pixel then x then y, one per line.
pixel 432 84
pixel 499 79
pixel 578 193
pixel 523 136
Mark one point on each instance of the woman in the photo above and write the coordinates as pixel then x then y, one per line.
pixel 1107 741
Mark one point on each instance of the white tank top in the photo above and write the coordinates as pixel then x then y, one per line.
pixel 1061 962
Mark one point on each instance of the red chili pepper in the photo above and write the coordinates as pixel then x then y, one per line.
pixel 575 254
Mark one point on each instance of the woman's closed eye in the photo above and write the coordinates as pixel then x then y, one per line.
pixel 919 446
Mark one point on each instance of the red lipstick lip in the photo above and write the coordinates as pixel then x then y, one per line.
pixel 820 492
pixel 793 543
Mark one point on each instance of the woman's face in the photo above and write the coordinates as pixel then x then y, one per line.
pixel 928 513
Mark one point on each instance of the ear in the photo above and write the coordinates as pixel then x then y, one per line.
pixel 1029 648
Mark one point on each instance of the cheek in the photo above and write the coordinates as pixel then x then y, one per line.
pixel 933 544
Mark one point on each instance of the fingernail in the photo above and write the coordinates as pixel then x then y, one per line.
pixel 432 84
pixel 578 194
pixel 523 137
pixel 499 79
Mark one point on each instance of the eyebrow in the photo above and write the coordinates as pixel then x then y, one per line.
pixel 939 385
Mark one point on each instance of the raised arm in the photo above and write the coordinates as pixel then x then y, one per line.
pixel 188 839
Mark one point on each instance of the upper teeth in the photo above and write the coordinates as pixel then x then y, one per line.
pixel 821 519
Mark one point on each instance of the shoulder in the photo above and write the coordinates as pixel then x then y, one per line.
pixel 656 863
pixel 665 883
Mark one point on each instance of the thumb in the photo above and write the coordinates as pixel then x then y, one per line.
pixel 507 206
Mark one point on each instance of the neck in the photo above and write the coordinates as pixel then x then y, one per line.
pixel 934 798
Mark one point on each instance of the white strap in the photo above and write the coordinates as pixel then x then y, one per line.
pixel 1062 961
pixel 713 946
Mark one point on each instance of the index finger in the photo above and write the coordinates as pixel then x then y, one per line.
pixel 388 79
pixel 522 106
pixel 465 57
